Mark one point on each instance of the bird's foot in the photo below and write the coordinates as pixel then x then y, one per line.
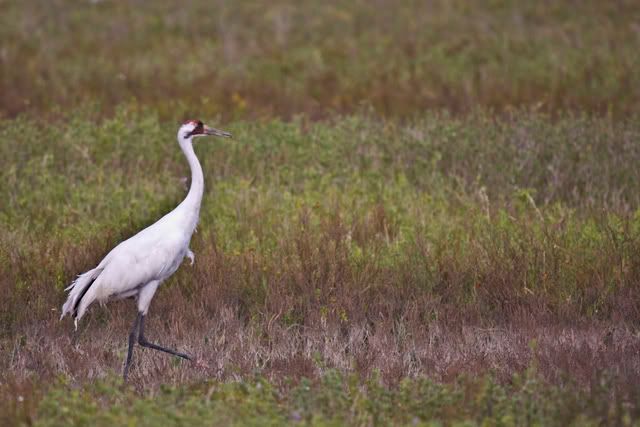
pixel 191 256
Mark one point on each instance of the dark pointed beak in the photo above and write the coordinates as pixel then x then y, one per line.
pixel 216 132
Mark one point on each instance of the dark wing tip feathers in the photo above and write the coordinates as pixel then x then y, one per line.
pixel 84 291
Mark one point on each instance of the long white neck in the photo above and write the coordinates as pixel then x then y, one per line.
pixel 191 204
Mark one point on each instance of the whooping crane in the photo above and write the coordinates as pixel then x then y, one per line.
pixel 137 266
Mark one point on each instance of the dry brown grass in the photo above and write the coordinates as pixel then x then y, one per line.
pixel 313 309
pixel 228 346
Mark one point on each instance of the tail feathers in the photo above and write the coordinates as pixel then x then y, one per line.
pixel 77 290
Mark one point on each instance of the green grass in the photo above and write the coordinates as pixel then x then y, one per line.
pixel 333 400
pixel 537 210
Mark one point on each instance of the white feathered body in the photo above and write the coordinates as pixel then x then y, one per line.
pixel 153 254
pixel 137 266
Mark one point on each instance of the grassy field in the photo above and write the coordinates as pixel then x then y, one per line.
pixel 334 400
pixel 250 59
pixel 429 213
pixel 355 244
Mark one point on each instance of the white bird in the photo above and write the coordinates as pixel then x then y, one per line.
pixel 137 266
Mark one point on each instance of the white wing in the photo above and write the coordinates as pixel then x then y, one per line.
pixel 151 255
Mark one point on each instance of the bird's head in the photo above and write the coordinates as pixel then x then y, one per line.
pixel 194 128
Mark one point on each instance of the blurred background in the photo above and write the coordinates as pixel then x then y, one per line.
pixel 256 59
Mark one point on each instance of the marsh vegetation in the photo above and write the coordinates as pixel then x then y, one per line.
pixel 429 213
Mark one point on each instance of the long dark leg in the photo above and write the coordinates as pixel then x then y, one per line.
pixel 132 341
pixel 143 342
